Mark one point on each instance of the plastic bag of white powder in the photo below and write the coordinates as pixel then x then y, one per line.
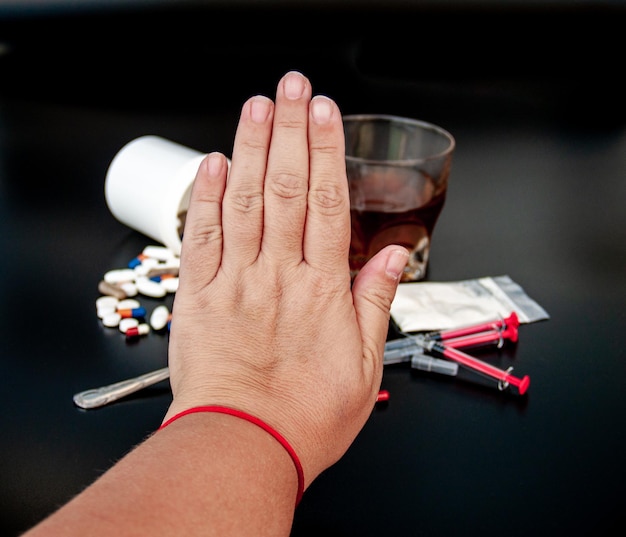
pixel 425 306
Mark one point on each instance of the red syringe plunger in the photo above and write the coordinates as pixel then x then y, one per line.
pixel 503 377
pixel 498 324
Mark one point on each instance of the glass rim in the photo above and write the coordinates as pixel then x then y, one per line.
pixel 390 118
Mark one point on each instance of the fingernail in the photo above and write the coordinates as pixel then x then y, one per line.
pixel 214 164
pixel 260 108
pixel 321 109
pixel 293 85
pixel 396 262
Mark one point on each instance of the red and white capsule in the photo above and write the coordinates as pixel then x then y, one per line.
pixel 142 329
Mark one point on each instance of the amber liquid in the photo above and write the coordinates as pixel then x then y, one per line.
pixel 373 230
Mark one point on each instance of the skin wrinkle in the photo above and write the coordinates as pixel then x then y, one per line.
pixel 244 201
pixel 255 375
pixel 288 186
pixel 283 123
pixel 326 151
pixel 327 198
pixel 255 146
pixel 329 236
pixel 202 296
pixel 320 290
pixel 254 384
pixel 206 234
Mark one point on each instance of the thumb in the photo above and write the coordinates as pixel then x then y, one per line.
pixel 373 291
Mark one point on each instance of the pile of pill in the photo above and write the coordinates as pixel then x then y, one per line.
pixel 153 273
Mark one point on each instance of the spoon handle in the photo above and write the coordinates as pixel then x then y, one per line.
pixel 97 397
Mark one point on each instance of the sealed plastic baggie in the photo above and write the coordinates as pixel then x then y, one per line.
pixel 426 306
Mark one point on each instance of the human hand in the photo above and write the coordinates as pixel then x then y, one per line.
pixel 265 319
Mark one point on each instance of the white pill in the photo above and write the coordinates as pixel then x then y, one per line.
pixel 170 284
pixel 106 302
pixel 103 311
pixel 140 271
pixel 159 318
pixel 150 262
pixel 146 266
pixel 147 287
pixel 127 323
pixel 111 320
pixel 129 288
pixel 111 289
pixel 119 276
pixel 128 304
pixel 158 252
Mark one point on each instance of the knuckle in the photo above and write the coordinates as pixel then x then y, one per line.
pixel 252 146
pixel 204 234
pixel 328 197
pixel 291 123
pixel 378 297
pixel 245 202
pixel 288 185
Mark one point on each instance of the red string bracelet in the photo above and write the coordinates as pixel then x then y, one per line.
pixel 252 419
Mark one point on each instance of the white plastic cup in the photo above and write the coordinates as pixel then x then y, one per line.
pixel 148 185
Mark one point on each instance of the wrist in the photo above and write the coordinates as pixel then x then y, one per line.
pixel 246 419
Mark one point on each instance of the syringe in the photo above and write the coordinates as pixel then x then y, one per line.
pixel 497 324
pixel 503 377
pixel 402 349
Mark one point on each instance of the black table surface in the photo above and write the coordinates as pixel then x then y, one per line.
pixel 537 191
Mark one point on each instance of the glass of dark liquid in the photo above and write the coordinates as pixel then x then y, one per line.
pixel 398 171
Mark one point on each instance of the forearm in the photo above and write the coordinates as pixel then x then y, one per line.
pixel 266 321
pixel 204 474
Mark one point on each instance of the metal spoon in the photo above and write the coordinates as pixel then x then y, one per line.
pixel 97 397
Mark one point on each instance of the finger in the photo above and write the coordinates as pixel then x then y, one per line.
pixel 286 180
pixel 327 232
pixel 201 250
pixel 243 199
pixel 373 291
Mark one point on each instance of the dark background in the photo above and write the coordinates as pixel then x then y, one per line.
pixel 533 93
